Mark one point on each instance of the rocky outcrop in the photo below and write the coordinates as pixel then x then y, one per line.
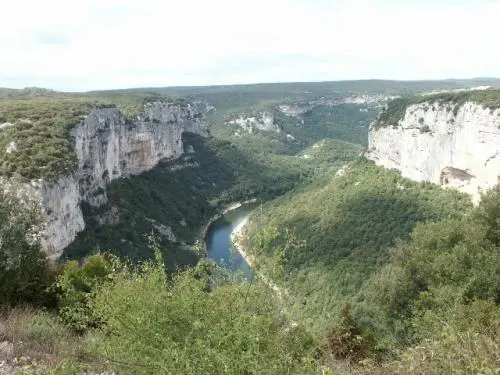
pixel 445 143
pixel 295 110
pixel 264 121
pixel 108 147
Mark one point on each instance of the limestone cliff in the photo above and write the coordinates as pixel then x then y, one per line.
pixel 264 121
pixel 453 144
pixel 108 146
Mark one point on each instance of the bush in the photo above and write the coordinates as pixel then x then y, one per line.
pixel 75 285
pixel 178 327
pixel 425 129
pixel 459 340
pixel 347 341
pixel 25 273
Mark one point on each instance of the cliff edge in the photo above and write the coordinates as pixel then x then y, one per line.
pixel 107 145
pixel 448 139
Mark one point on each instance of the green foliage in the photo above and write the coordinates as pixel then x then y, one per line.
pixel 346 226
pixel 75 285
pixel 347 341
pixel 343 122
pixel 40 127
pixel 425 129
pixel 178 327
pixel 460 339
pixel 447 263
pixel 396 109
pixel 489 214
pixel 186 198
pixel 430 304
pixel 25 273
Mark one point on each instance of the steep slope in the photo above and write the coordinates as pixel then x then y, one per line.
pixel 328 237
pixel 178 197
pixel 448 139
pixel 105 146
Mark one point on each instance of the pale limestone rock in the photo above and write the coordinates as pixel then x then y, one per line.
pixel 432 143
pixel 264 121
pixel 6 125
pixel 109 147
pixel 164 230
pixel 11 147
pixel 295 110
pixel 342 171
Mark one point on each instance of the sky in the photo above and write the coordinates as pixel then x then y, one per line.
pixel 105 44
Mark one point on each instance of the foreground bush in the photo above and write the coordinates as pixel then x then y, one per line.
pixel 74 287
pixel 177 327
pixel 25 274
pixel 347 341
pixel 461 339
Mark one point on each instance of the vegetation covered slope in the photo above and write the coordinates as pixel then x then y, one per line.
pixel 412 268
pixel 347 122
pixel 427 304
pixel 436 302
pixel 184 194
pixel 342 228
pixel 39 124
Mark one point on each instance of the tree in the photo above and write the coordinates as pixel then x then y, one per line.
pixel 489 213
pixel 25 273
pixel 347 341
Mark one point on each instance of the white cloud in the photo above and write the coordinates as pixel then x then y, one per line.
pixel 93 44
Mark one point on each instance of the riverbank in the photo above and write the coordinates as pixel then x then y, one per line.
pixel 225 210
pixel 236 237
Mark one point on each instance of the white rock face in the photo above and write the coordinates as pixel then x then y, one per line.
pixel 11 147
pixel 264 122
pixel 432 143
pixel 295 110
pixel 108 147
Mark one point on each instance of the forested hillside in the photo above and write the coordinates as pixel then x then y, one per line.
pixel 431 309
pixel 343 227
pixel 184 195
pixel 412 267
pixel 373 273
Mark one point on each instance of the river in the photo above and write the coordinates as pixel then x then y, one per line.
pixel 218 240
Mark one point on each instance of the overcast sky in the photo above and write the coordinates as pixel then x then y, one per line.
pixel 103 44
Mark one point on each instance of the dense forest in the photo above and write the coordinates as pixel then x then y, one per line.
pixel 185 198
pixel 372 273
pixel 413 267
pixel 334 233
pixel 431 308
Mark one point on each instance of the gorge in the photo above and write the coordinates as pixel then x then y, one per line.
pixel 109 146
pixel 384 270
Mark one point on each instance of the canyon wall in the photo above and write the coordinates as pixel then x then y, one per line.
pixel 108 146
pixel 452 145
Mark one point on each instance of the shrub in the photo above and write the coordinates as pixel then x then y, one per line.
pixel 425 129
pixel 178 327
pixel 347 341
pixel 75 285
pixel 25 273
pixel 459 340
